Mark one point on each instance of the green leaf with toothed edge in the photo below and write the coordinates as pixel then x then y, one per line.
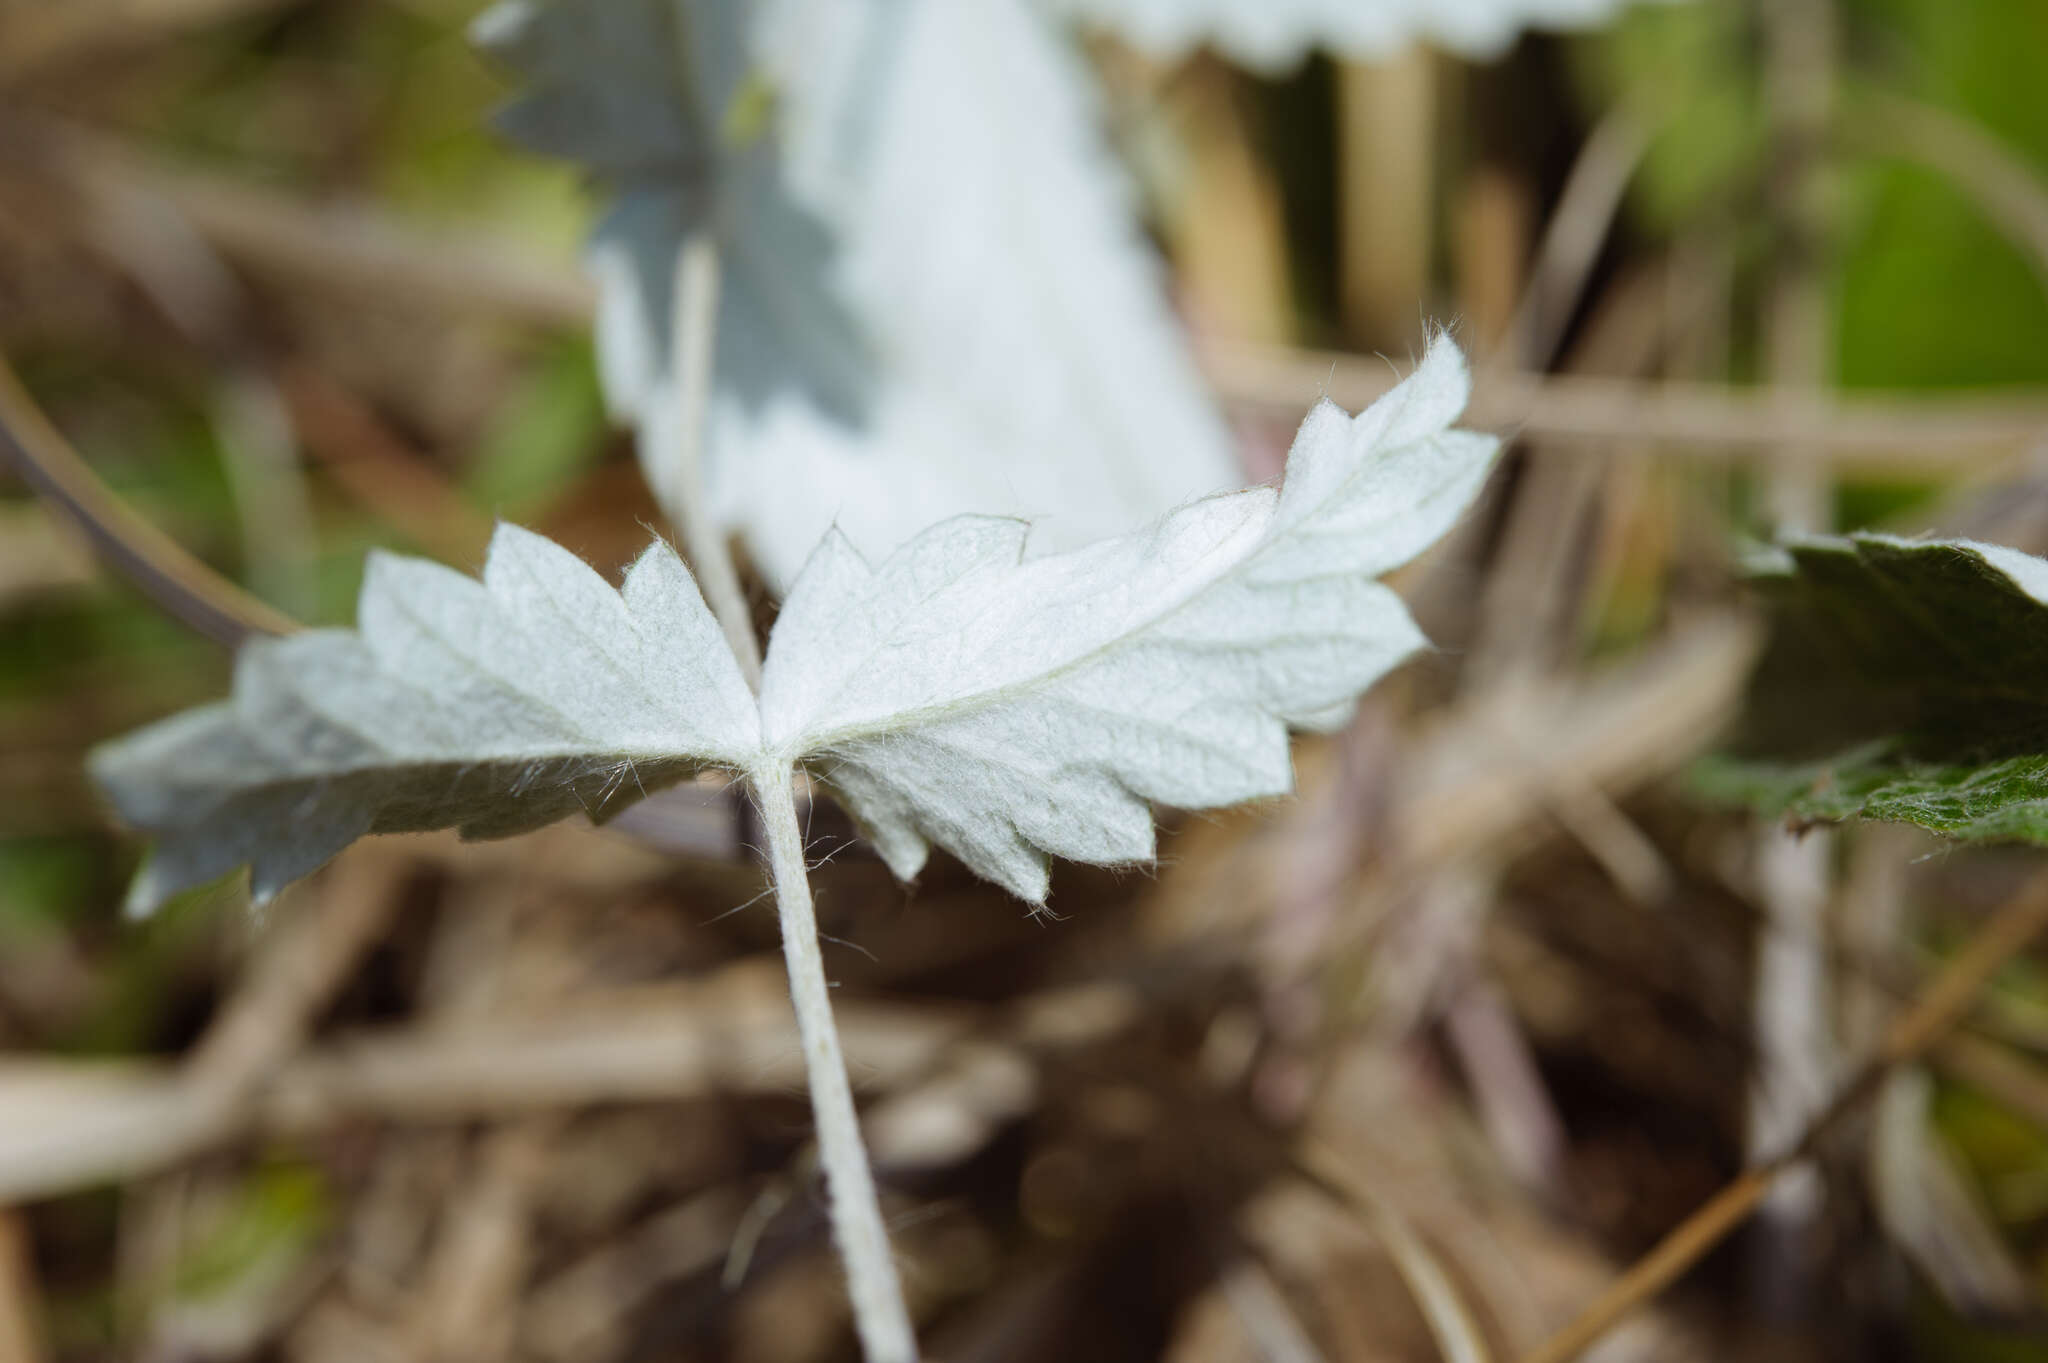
pixel 1907 680
pixel 962 692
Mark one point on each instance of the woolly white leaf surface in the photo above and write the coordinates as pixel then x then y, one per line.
pixel 1273 35
pixel 961 692
pixel 494 707
pixel 936 299
pixel 1005 706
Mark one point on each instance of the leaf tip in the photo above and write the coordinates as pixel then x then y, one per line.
pixel 147 892
pixel 2028 573
pixel 500 29
pixel 378 566
pixel 1444 365
pixel 658 556
pixel 1031 883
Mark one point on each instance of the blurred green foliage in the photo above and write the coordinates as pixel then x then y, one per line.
pixel 1927 291
pixel 265 1227
pixel 1690 72
pixel 383 103
pixel 547 433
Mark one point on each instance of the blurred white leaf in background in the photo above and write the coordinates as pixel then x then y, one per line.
pixel 1273 35
pixel 936 297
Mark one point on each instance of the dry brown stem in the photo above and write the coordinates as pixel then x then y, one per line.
pixel 20 1327
pixel 81 1124
pixel 373 464
pixel 354 249
pixel 1944 1003
pixel 468 1310
pixel 35 34
pixel 1877 433
pixel 163 570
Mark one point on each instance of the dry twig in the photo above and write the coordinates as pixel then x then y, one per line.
pixel 355 249
pixel 373 465
pixel 342 248
pixel 34 35
pixel 166 573
pixel 1875 433
pixel 730 1034
pixel 1451 1322
pixel 1945 1002
pixel 1585 212
pixel 468 1308
pixel 2003 184
pixel 79 1125
pixel 20 1330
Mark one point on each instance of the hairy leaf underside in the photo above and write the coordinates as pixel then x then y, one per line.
pixel 962 692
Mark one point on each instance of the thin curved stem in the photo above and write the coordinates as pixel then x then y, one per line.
pixel 1585 214
pixel 1451 1322
pixel 2006 189
pixel 677 474
pixel 1946 1000
pixel 879 1314
pixel 166 573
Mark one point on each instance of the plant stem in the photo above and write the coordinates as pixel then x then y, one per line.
pixel 878 1311
pixel 1937 1010
pixel 677 474
pixel 176 581
pixel 1792 1005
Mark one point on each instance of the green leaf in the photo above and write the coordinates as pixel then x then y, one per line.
pixel 543 436
pixel 1906 681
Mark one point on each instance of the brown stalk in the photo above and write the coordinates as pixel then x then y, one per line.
pixel 124 1121
pixel 357 249
pixel 379 470
pixel 165 572
pixel 1452 1324
pixel 35 36
pixel 21 1332
pixel 1870 433
pixel 1946 1001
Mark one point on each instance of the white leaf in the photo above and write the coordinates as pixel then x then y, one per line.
pixel 494 707
pixel 936 298
pixel 962 692
pixel 1005 706
pixel 1274 35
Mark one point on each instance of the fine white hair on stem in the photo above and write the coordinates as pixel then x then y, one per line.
pixel 880 1317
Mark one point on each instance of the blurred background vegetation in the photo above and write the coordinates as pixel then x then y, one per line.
pixel 266 269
